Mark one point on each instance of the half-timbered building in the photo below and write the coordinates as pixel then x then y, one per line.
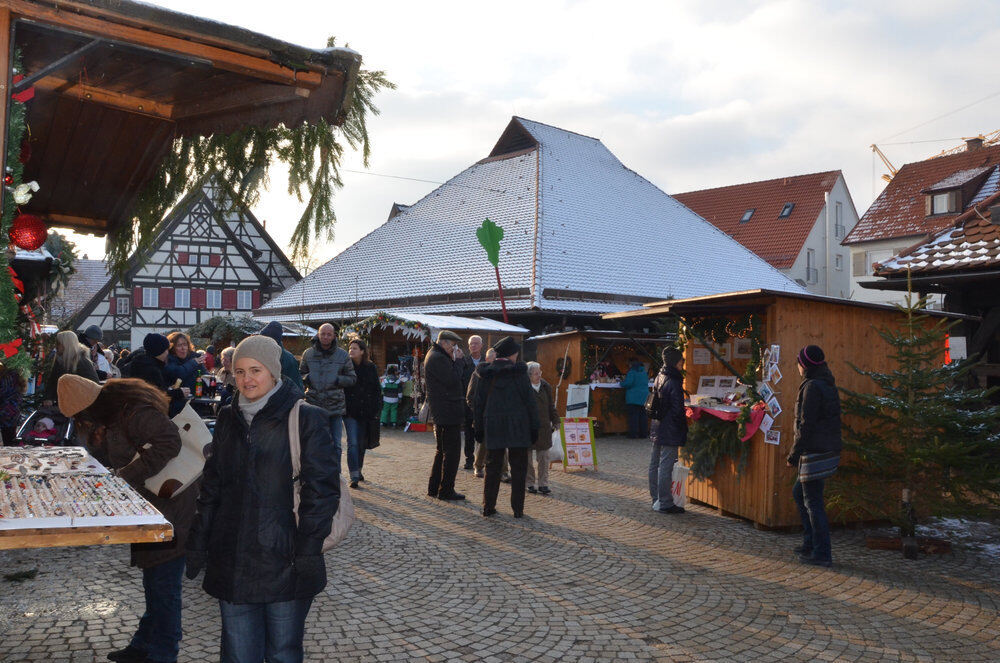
pixel 210 258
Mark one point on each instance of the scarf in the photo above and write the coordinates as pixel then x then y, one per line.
pixel 250 409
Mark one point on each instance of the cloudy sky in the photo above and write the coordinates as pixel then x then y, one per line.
pixel 691 94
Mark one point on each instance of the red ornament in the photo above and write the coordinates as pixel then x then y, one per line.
pixel 8 179
pixel 28 232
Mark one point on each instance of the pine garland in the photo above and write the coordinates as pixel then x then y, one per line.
pixel 312 152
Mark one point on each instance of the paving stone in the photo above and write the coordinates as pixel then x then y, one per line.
pixel 591 574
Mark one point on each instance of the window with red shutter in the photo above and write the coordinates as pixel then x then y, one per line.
pixel 182 258
pixel 137 297
pixel 166 297
pixel 197 298
pixel 214 260
pixel 229 299
pixel 256 298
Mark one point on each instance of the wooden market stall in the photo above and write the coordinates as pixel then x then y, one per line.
pixel 599 359
pixel 845 329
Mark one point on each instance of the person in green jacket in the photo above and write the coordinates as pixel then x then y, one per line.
pixel 289 366
pixel 636 386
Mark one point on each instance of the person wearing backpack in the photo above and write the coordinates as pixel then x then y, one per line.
pixel 668 429
pixel 262 566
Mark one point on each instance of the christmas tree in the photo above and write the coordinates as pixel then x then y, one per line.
pixel 923 444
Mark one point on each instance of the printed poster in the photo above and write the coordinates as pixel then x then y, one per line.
pixel 766 423
pixel 773 436
pixel 701 356
pixel 578 441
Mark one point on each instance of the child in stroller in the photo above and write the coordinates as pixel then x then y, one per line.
pixel 61 429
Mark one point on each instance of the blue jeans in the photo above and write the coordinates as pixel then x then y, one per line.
pixel 159 632
pixel 257 632
pixel 815 526
pixel 661 470
pixel 357 444
pixel 337 431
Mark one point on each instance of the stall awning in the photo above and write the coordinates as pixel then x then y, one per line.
pixel 427 325
pixel 748 300
pixel 115 81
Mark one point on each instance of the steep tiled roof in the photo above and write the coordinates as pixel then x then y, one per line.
pixel 90 276
pixel 777 240
pixel 578 224
pixel 973 244
pixel 899 210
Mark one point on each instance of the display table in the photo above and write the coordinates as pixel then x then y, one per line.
pixel 62 496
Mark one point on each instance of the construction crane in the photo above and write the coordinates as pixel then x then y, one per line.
pixel 888 164
pixel 988 140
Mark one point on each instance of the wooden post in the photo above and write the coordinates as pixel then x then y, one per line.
pixel 6 53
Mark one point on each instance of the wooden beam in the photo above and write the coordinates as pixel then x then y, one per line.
pixel 5 81
pixel 226 60
pixel 257 95
pixel 985 333
pixel 70 221
pixel 104 97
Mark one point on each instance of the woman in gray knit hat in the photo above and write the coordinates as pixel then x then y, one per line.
pixel 262 560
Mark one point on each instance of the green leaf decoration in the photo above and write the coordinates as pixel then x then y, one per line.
pixel 489 235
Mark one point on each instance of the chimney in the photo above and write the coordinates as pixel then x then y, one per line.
pixel 995 215
pixel 973 143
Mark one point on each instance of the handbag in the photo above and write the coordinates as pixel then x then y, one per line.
pixel 344 518
pixel 374 434
pixel 186 467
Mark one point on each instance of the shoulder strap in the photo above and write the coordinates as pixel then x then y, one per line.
pixel 294 443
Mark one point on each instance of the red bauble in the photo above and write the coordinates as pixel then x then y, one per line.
pixel 28 232
pixel 8 179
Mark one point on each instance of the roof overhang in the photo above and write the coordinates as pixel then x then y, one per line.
pixel 117 81
pixel 940 283
pixel 749 300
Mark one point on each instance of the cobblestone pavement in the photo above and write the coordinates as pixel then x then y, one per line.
pixel 591 574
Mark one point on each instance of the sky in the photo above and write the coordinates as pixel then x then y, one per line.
pixel 690 94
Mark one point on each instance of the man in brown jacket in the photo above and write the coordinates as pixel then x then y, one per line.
pixel 446 399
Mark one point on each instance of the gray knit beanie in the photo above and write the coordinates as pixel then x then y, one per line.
pixel 262 349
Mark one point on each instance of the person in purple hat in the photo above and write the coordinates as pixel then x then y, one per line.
pixel 816 452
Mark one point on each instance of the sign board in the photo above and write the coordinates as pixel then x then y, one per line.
pixel 577 400
pixel 577 434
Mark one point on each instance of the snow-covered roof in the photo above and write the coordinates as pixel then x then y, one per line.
pixel 459 323
pixel 582 234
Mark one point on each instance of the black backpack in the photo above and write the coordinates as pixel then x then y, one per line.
pixel 654 406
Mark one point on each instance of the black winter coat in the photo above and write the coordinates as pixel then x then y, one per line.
pixel 817 414
pixel 246 521
pixel 364 399
pixel 84 368
pixel 445 388
pixel 671 429
pixel 505 410
pixel 145 367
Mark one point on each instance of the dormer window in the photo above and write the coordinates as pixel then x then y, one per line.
pixel 944 203
pixel 747 214
pixel 786 211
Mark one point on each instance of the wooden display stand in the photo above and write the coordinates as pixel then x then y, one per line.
pixel 845 329
pixel 52 537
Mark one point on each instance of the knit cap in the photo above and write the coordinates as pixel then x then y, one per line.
pixel 262 349
pixel 671 356
pixel 273 330
pixel 155 344
pixel 811 355
pixel 76 394
pixel 506 347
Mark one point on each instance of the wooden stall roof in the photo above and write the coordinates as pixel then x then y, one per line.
pixel 748 300
pixel 118 80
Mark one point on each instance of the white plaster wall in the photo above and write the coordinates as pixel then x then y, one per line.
pixel 840 280
pixel 879 251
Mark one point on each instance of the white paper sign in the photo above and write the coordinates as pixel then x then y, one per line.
pixel 766 423
pixel 701 356
pixel 957 347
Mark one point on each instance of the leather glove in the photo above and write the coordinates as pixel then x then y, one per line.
pixel 309 567
pixel 194 563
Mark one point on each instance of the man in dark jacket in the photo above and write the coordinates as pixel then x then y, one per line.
pixel 147 365
pixel 289 367
pixel 91 339
pixel 507 415
pixel 326 370
pixel 469 364
pixel 667 431
pixel 816 452
pixel 443 382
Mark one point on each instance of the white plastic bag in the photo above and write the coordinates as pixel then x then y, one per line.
pixel 185 468
pixel 678 484
pixel 556 452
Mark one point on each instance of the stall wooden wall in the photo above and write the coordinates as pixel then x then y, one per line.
pixel 846 333
pixel 548 351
